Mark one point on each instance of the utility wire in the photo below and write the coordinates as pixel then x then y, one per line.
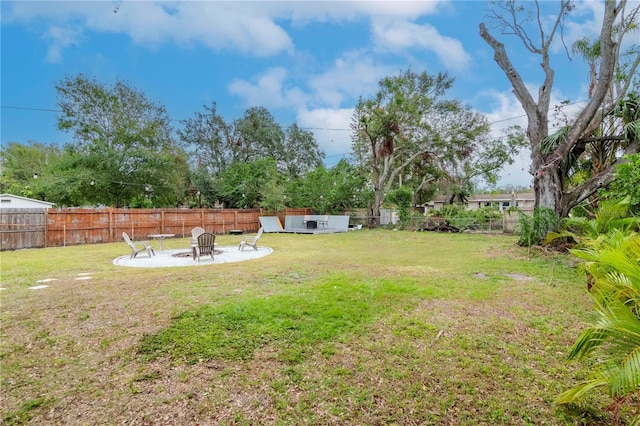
pixel 305 128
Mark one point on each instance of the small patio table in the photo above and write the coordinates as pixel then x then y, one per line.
pixel 160 237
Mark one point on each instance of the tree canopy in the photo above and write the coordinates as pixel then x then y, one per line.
pixel 554 156
pixel 123 146
pixel 409 132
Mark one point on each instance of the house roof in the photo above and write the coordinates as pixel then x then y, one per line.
pixel 479 198
pixel 45 204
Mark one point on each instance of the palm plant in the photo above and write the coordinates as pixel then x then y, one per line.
pixel 533 229
pixel 612 340
pixel 611 215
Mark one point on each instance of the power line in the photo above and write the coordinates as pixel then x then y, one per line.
pixel 29 108
pixel 305 128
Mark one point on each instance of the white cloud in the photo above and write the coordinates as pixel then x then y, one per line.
pixel 234 26
pixel 270 89
pixel 247 27
pixel 266 91
pixel 59 39
pixel 303 12
pixel 352 75
pixel 401 35
pixel 331 128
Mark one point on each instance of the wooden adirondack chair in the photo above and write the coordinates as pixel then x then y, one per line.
pixel 206 245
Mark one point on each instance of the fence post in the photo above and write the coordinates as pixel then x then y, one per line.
pixel 46 226
pixel 111 236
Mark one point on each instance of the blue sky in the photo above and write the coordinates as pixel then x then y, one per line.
pixel 306 62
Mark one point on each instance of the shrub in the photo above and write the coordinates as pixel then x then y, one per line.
pixel 532 230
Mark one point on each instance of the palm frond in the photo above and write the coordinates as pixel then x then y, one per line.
pixel 632 132
pixel 579 391
pixel 553 140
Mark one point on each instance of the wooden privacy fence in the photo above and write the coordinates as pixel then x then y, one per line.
pixel 91 226
pixel 31 228
pixel 22 228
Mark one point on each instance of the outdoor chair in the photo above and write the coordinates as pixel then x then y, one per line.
pixel 206 245
pixel 135 249
pixel 324 221
pixel 251 241
pixel 195 233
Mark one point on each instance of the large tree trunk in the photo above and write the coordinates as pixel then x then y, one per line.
pixel 548 190
pixel 549 181
pixel 374 220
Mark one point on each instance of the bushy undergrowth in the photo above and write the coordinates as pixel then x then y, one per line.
pixel 532 230
pixel 462 218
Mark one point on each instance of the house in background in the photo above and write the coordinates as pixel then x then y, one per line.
pixel 8 201
pixel 523 201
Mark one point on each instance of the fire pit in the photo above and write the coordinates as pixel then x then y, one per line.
pixel 189 254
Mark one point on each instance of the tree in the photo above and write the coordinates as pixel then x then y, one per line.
pixel 242 185
pixel 210 139
pixel 25 167
pixel 390 129
pixel 480 160
pixel 124 143
pixel 408 131
pixel 217 144
pixel 301 152
pixel 550 160
pixel 331 190
pixel 626 184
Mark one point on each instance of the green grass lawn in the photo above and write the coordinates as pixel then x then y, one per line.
pixel 367 327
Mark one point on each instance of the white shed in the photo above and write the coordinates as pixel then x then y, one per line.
pixel 8 201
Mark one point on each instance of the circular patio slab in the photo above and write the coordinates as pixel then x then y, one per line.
pixel 182 257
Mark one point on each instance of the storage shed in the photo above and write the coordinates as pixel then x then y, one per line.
pixel 8 201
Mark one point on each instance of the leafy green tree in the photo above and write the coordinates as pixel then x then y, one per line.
pixel 391 129
pixel 301 152
pixel 402 197
pixel 626 184
pixel 124 142
pixel 409 131
pixel 242 184
pixel 216 144
pixel 273 197
pixel 26 168
pixel 478 160
pixel 332 190
pixel 210 140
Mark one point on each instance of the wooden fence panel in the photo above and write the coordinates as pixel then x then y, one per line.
pixel 81 226
pixel 22 228
pixel 511 218
pixel 77 226
pixel 19 228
